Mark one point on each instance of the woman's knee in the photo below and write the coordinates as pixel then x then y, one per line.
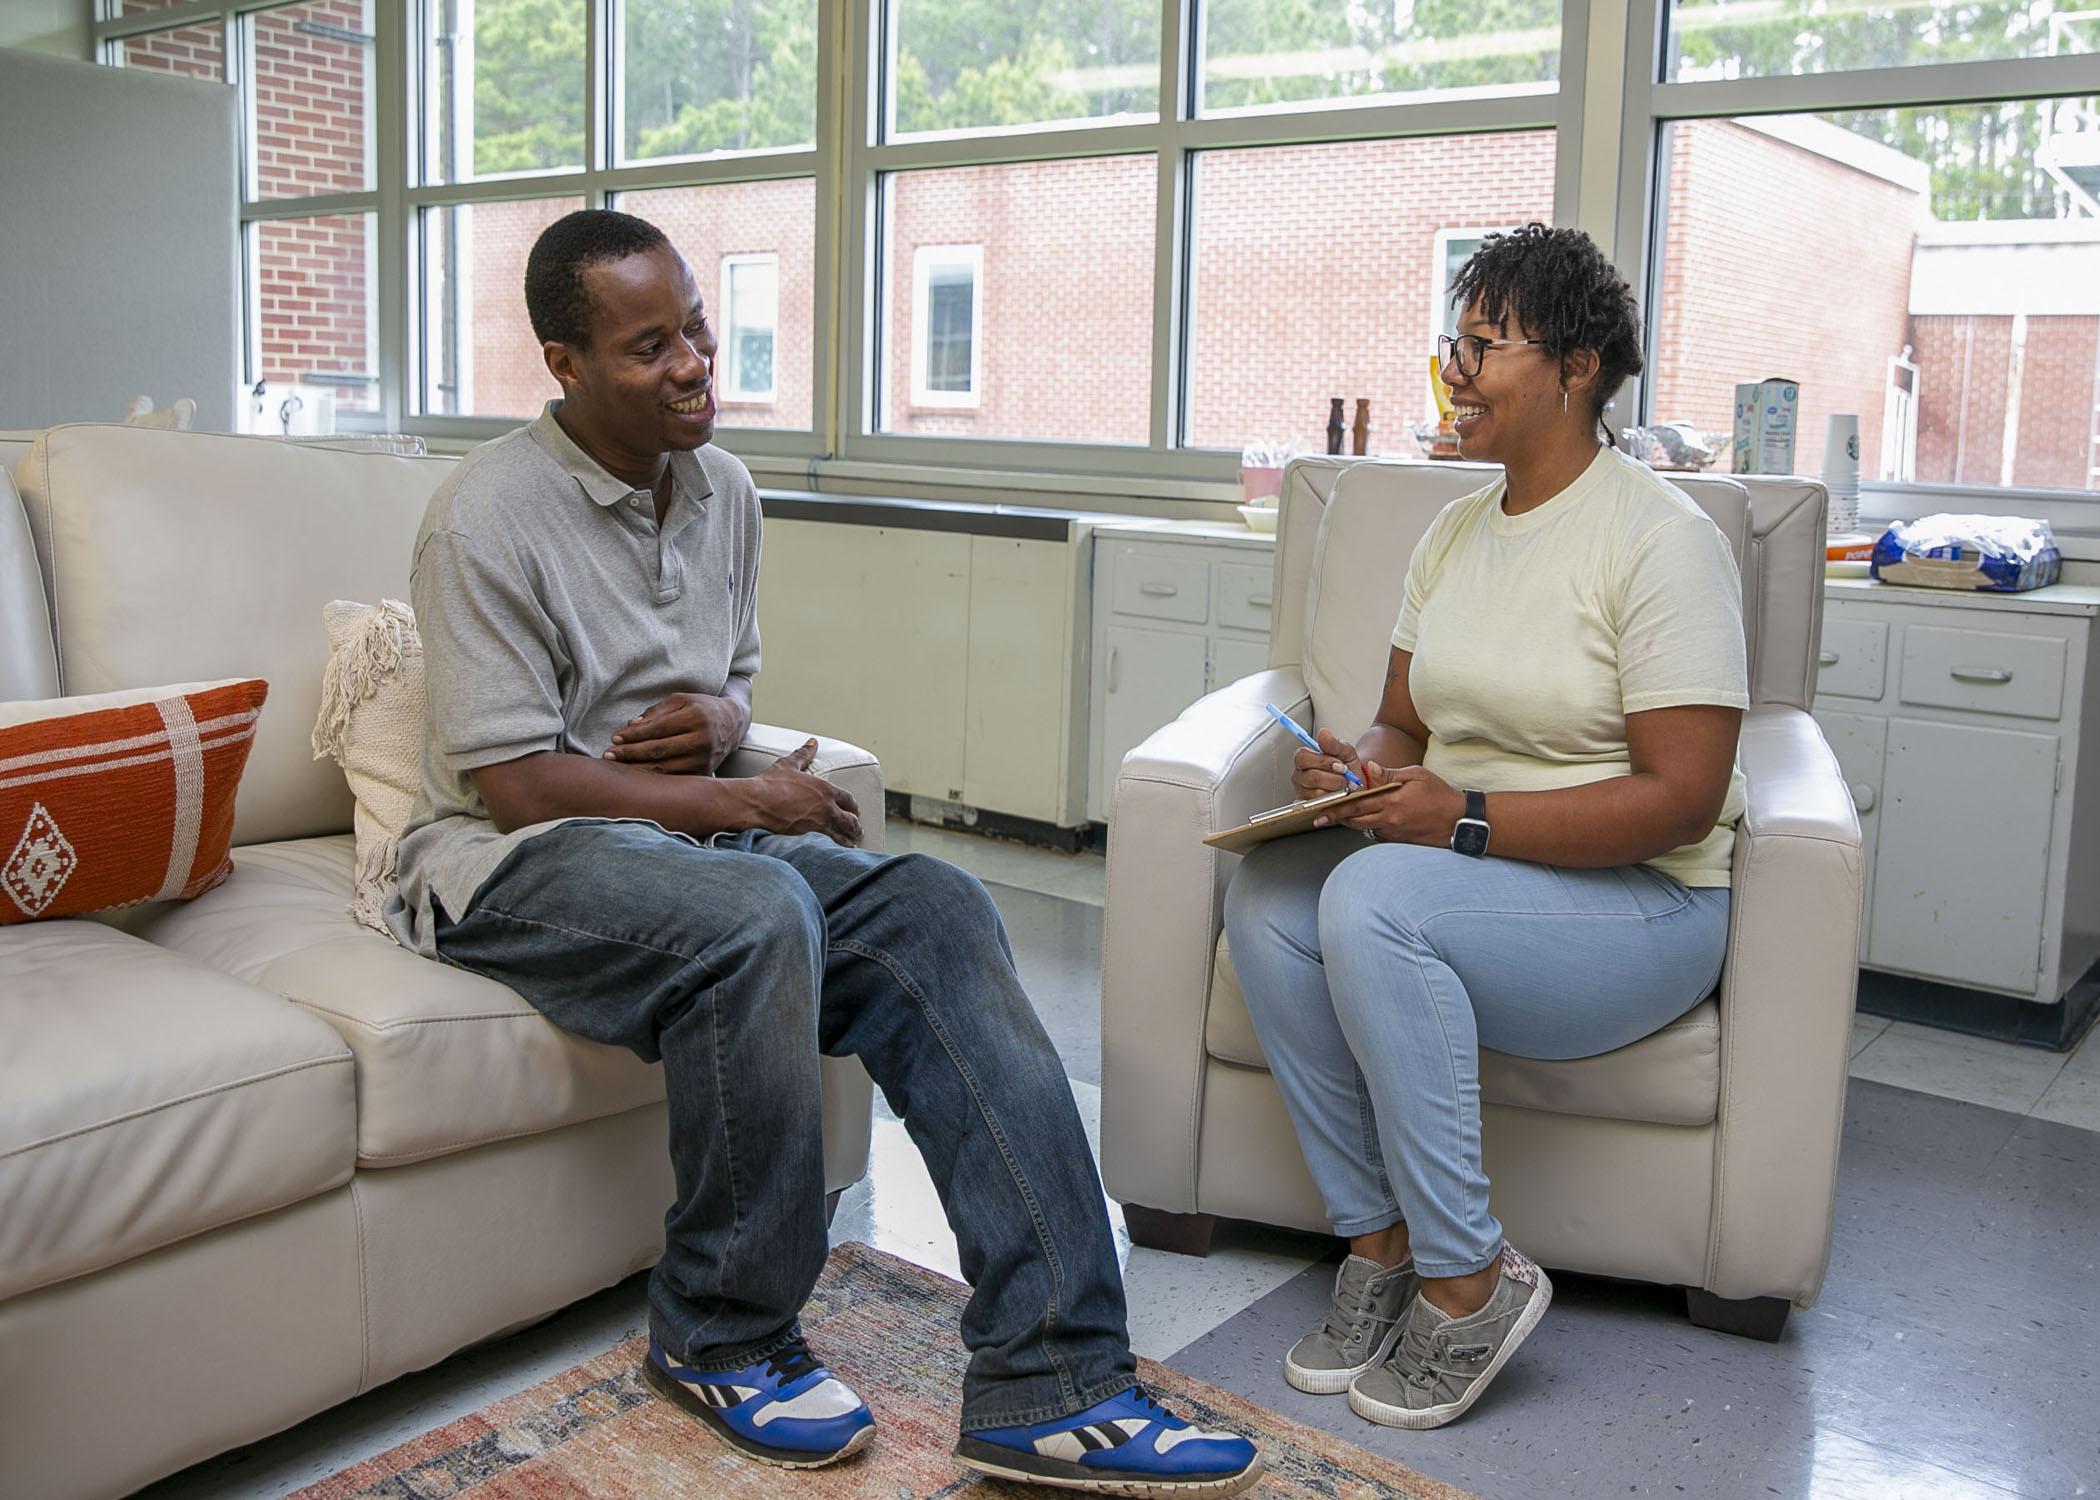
pixel 1383 889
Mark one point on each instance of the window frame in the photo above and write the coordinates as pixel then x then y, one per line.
pixel 1162 467
pixel 727 390
pixel 1652 104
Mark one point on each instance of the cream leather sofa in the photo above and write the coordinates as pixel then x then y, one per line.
pixel 1703 1156
pixel 255 1159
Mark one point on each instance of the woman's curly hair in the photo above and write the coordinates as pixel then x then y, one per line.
pixel 1559 286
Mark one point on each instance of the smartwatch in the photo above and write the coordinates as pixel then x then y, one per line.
pixel 1470 834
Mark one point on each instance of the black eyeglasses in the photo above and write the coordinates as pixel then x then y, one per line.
pixel 1468 349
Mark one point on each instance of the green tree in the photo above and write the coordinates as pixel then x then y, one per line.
pixel 528 85
pixel 1981 156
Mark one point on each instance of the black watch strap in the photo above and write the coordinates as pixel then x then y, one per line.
pixel 1470 836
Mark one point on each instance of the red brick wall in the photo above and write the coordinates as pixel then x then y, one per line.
pixel 1754 284
pixel 1315 273
pixel 314 294
pixel 311 100
pixel 750 218
pixel 1067 289
pixel 187 52
pixel 510 377
pixel 1965 366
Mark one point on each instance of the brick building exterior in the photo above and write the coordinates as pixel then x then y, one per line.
pixel 1790 248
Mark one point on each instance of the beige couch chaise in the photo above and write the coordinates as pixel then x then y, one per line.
pixel 254 1158
pixel 1704 1156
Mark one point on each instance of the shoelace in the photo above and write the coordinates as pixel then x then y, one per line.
pixel 1145 1398
pixel 1354 1306
pixel 793 1362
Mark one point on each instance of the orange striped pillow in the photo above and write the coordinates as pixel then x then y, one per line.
pixel 120 798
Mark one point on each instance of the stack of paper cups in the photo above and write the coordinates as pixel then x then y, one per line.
pixel 1841 471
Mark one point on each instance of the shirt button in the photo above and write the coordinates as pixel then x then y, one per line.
pixel 634 502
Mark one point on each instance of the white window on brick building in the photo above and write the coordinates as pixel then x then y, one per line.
pixel 1454 247
pixel 947 323
pixel 749 322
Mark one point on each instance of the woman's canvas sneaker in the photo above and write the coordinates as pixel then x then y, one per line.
pixel 1363 1323
pixel 1126 1445
pixel 785 1409
pixel 1444 1363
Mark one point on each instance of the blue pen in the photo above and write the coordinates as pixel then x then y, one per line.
pixel 1307 740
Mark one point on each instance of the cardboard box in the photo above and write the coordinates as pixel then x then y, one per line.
pixel 1765 413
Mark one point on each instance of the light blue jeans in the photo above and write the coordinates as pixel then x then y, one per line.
pixel 1375 973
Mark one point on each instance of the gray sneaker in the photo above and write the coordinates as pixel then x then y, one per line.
pixel 1362 1323
pixel 1444 1363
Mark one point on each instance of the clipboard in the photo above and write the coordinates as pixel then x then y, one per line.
pixel 1294 817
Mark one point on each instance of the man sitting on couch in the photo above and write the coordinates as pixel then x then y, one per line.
pixel 586 591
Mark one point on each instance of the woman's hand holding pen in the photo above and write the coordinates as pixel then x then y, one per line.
pixel 1317 774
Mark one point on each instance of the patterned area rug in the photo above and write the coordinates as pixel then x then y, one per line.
pixel 597 1432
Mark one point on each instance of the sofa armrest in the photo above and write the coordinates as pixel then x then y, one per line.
pixel 1787 993
pixel 1221 761
pixel 837 761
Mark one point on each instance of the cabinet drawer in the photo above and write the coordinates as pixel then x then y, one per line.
pixel 1162 588
pixel 1244 596
pixel 1983 671
pixel 1853 659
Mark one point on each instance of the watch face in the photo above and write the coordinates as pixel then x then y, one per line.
pixel 1470 837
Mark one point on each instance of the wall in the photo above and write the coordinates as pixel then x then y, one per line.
pixel 128 288
pixel 62 28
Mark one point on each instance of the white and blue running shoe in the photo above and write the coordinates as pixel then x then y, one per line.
pixel 1127 1445
pixel 785 1409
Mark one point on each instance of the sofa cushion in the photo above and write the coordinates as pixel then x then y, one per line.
pixel 28 669
pixel 145 1097
pixel 120 797
pixel 241 540
pixel 1670 1078
pixel 445 1059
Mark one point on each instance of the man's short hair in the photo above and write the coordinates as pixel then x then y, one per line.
pixel 555 297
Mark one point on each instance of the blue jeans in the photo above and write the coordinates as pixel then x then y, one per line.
pixel 1375 973
pixel 736 964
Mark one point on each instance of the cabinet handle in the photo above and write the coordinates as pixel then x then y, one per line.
pixel 1980 674
pixel 1862 797
pixel 1115 659
pixel 1827 659
pixel 1158 590
pixel 1258 601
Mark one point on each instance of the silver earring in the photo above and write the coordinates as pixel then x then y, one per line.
pixel 1563 400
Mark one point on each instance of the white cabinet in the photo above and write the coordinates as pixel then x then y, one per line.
pixel 1174 619
pixel 1959 721
pixel 959 659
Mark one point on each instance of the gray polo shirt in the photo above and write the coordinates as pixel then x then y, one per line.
pixel 553 609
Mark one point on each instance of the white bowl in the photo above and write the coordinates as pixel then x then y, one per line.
pixel 1259 517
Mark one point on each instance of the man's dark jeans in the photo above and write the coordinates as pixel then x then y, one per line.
pixel 736 964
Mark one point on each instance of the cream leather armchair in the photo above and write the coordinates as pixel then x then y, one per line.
pixel 1703 1156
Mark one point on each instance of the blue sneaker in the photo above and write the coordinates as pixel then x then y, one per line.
pixel 785 1409
pixel 1126 1445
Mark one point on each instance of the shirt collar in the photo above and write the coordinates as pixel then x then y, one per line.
pixel 688 476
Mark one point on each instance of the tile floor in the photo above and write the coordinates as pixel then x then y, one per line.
pixel 1955 1352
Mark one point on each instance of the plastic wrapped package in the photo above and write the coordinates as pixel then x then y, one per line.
pixel 2001 554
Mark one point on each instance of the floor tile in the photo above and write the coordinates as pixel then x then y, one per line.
pixel 2074 1098
pixel 1953 1353
pixel 1003 861
pixel 1057 952
pixel 1999 1075
pixel 1865 1029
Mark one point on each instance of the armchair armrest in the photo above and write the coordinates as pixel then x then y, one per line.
pixel 837 761
pixel 1787 991
pixel 1221 761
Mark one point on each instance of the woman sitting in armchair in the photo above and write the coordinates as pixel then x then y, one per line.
pixel 1548 876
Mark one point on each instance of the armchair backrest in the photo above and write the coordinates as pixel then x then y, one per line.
pixel 1349 525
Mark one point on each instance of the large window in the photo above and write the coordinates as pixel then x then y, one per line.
pixel 1105 246
pixel 1924 261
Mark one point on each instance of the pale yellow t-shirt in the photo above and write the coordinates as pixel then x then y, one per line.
pixel 1535 635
